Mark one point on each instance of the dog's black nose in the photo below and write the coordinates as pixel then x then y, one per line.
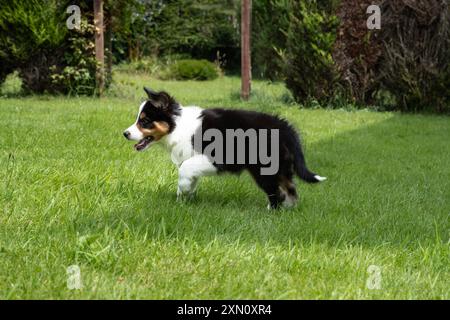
pixel 126 134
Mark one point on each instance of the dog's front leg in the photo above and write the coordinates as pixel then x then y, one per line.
pixel 189 173
pixel 186 186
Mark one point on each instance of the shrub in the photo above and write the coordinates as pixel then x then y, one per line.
pixel 270 18
pixel 356 52
pixel 34 40
pixel 404 66
pixel 415 66
pixel 190 69
pixel 12 85
pixel 407 60
pixel 75 72
pixel 308 65
pixel 48 56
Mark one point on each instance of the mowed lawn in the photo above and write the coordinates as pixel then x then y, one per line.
pixel 74 192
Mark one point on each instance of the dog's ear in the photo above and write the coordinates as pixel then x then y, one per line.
pixel 161 99
pixel 152 95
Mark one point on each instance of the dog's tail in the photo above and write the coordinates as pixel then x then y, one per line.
pixel 299 161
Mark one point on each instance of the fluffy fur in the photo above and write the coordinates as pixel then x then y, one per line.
pixel 162 119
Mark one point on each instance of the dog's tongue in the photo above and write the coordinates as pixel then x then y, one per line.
pixel 139 145
pixel 143 143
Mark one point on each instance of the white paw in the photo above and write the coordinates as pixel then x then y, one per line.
pixel 182 196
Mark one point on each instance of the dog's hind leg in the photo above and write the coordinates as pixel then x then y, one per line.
pixel 288 188
pixel 189 173
pixel 269 184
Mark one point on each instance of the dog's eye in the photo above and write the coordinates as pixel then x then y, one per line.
pixel 145 122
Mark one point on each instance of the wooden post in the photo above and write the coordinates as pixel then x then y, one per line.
pixel 108 21
pixel 246 68
pixel 99 46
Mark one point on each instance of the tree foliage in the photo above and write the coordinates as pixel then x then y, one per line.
pixel 322 49
pixel 415 65
pixel 271 19
pixel 35 41
pixel 408 59
pixel 196 27
pixel 308 66
pixel 357 52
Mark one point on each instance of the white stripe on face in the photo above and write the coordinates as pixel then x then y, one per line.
pixel 135 133
pixel 141 107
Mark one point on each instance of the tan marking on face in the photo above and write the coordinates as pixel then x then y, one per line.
pixel 159 130
pixel 142 115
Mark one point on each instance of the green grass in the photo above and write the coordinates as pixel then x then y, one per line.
pixel 73 192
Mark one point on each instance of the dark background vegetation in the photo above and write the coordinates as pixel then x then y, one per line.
pixel 321 49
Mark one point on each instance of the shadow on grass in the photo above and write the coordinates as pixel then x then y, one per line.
pixel 388 185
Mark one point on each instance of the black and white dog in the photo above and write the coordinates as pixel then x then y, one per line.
pixel 203 142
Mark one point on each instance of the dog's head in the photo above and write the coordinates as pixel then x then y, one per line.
pixel 155 119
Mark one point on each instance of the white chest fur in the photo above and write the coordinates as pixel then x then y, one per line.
pixel 179 142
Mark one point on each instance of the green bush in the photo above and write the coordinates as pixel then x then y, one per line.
pixel 270 21
pixel 75 72
pixel 190 69
pixel 12 86
pixel 270 18
pixel 308 64
pixel 48 56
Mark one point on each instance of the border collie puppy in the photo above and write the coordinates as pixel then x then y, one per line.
pixel 203 142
